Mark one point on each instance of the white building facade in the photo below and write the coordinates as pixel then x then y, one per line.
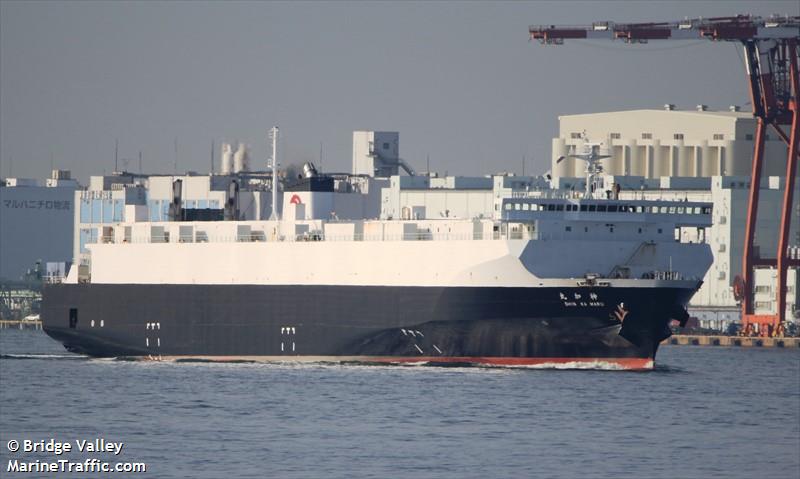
pixel 668 142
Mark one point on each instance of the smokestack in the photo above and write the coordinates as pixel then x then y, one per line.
pixel 240 159
pixel 226 160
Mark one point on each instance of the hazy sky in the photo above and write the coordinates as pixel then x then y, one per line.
pixel 459 81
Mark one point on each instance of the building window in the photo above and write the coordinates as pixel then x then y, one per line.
pixel 678 136
pixel 385 146
pixel 568 228
pixel 748 137
pixel 719 136
pixel 647 136
pixel 575 135
pixel 616 136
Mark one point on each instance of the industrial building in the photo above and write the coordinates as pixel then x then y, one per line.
pixel 377 153
pixel 668 142
pixel 36 224
pixel 130 197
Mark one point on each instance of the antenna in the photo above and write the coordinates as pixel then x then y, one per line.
pixel 116 154
pixel 591 155
pixel 273 134
pixel 140 162
pixel 523 165
pixel 52 160
pixel 428 164
pixel 212 156
pixel 320 156
pixel 176 155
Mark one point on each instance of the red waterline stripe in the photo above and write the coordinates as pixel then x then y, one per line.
pixel 624 363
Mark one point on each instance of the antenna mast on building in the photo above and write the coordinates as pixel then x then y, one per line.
pixel 273 164
pixel 116 155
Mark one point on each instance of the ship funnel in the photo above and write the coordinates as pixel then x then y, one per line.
pixel 227 159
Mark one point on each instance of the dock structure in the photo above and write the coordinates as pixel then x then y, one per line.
pixel 20 324
pixel 735 341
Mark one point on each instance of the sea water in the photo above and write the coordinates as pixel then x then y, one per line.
pixel 703 412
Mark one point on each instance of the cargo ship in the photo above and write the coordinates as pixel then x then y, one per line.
pixel 552 279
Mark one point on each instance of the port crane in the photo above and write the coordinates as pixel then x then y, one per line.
pixel 771 59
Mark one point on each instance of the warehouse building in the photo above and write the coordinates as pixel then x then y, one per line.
pixel 35 223
pixel 668 142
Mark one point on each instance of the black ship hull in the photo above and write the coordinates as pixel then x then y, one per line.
pixel 494 325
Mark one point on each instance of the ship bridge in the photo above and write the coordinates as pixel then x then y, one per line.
pixel 679 213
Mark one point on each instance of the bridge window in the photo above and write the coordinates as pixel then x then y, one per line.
pixel 592 207
pixel 647 136
pixel 612 208
pixel 584 208
pixel 508 206
pixel 678 136
pixel 559 207
pixel 601 207
pixel 526 206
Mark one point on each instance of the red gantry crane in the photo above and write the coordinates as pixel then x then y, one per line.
pixel 771 59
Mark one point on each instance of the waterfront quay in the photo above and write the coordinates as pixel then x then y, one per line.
pixel 20 324
pixel 731 341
